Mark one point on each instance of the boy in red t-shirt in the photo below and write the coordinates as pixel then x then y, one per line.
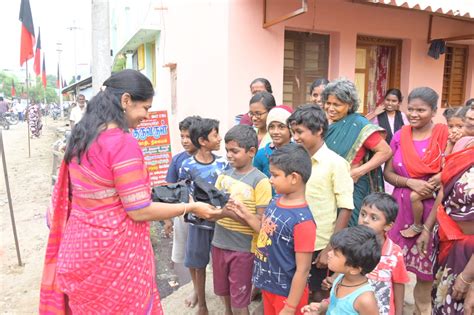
pixel 287 233
pixel 388 279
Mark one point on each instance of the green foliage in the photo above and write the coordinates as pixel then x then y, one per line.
pixel 36 90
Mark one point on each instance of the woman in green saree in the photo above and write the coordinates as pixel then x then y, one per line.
pixel 354 138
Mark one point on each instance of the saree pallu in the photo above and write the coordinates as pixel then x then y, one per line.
pixel 454 247
pixel 52 299
pixel 346 137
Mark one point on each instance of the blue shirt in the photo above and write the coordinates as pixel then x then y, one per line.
pixel 345 305
pixel 173 171
pixel 262 159
pixel 192 169
pixel 275 262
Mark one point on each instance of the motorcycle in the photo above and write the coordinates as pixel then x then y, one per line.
pixel 4 122
pixel 55 112
pixel 12 118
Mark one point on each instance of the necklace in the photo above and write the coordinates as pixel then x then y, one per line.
pixel 354 285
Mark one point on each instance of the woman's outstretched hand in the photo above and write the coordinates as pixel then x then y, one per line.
pixel 204 210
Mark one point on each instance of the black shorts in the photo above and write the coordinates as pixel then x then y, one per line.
pixel 317 275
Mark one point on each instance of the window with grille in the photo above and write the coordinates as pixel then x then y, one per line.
pixel 454 77
pixel 306 59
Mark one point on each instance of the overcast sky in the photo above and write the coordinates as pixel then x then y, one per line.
pixel 54 17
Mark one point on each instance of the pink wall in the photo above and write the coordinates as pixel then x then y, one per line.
pixel 343 20
pixel 220 46
pixel 197 41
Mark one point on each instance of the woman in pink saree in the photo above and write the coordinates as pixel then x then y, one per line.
pixel 99 256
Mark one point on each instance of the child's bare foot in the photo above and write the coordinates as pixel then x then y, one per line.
pixel 191 300
pixel 202 310
pixel 412 231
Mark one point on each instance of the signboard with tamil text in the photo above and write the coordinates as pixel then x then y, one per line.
pixel 154 139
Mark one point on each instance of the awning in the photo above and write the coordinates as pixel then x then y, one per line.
pixel 140 37
pixel 83 84
pixel 455 8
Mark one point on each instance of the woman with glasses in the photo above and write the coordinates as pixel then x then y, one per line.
pixel 257 85
pixel 259 106
pixel 418 150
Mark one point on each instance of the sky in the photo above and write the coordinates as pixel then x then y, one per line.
pixel 54 17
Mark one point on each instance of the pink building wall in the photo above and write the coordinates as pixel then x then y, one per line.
pixel 220 46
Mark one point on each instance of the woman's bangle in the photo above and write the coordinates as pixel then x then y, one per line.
pixel 289 305
pixel 185 209
pixel 464 280
pixel 426 228
pixel 406 182
pixel 396 181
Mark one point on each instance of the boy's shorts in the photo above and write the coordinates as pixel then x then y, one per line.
pixel 273 303
pixel 317 275
pixel 198 247
pixel 180 235
pixel 232 275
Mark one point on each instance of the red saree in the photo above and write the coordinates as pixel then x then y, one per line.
pixel 52 300
pixel 449 231
pixel 102 259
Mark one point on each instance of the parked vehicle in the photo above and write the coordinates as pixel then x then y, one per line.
pixel 55 112
pixel 4 122
pixel 11 117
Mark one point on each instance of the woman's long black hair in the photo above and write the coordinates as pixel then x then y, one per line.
pixel 105 108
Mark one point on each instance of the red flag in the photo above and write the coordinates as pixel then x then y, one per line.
pixel 43 75
pixel 27 32
pixel 58 81
pixel 13 88
pixel 37 63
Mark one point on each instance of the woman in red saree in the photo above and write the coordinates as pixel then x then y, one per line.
pixel 454 234
pixel 99 257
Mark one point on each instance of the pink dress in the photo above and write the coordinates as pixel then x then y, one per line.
pixel 422 267
pixel 105 260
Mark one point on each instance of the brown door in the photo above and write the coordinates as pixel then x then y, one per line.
pixel 306 59
pixel 378 64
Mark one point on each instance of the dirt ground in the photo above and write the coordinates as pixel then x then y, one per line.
pixel 30 185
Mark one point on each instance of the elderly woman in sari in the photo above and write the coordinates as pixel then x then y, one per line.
pixel 454 234
pixel 99 252
pixel 354 138
pixel 415 166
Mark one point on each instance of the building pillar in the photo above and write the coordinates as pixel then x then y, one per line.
pixel 101 55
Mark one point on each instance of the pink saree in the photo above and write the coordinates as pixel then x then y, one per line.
pixel 105 261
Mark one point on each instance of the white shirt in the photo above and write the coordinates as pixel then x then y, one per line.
pixel 77 113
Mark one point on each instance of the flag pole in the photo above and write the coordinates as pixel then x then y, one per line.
pixel 28 109
pixel 12 216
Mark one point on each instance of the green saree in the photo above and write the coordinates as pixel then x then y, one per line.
pixel 346 137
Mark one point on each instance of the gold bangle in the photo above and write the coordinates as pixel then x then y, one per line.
pixel 396 181
pixel 426 228
pixel 464 280
pixel 184 212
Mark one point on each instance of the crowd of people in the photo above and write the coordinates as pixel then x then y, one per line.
pixel 306 223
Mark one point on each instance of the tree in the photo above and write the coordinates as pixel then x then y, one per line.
pixel 36 90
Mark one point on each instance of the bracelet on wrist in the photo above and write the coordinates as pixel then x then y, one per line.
pixel 464 280
pixel 426 228
pixel 185 209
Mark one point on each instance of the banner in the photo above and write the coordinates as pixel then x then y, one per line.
pixel 154 139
